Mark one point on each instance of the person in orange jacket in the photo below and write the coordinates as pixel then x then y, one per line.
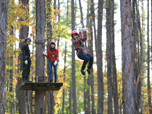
pixel 53 55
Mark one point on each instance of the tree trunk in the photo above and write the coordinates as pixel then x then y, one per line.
pixel 12 108
pixel 3 37
pixel 127 57
pixel 85 80
pixel 70 91
pixel 65 53
pixel 148 61
pixel 58 40
pixel 88 96
pixel 51 102
pixel 59 9
pixel 10 60
pixel 85 94
pixel 138 68
pixel 108 54
pixel 21 94
pixel 40 35
pixel 90 46
pixel 98 42
pixel 88 110
pixel 70 98
pixel 151 32
pixel 73 62
pixel 81 14
pixel 113 59
pixel 55 4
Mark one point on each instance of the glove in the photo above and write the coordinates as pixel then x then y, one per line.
pixel 44 53
pixel 55 63
pixel 26 62
pixel 82 29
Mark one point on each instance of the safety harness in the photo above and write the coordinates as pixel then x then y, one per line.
pixel 51 56
pixel 80 49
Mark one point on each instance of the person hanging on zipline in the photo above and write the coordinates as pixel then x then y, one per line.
pixel 53 55
pixel 81 51
pixel 26 60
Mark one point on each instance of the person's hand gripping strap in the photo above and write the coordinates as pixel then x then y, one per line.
pixel 55 63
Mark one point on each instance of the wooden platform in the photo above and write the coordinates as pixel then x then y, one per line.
pixel 40 86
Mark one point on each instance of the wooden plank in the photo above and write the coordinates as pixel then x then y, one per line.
pixel 40 86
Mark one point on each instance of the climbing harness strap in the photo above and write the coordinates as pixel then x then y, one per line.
pixel 51 56
pixel 80 49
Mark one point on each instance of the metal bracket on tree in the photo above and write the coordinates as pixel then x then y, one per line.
pixel 39 42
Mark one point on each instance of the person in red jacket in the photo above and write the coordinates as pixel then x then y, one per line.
pixel 53 55
pixel 81 51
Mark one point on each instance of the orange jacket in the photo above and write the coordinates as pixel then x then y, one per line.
pixel 52 55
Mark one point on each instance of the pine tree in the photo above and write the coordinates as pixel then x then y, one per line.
pixel 127 57
pixel 3 36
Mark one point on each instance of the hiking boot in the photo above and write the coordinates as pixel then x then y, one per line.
pixel 83 72
pixel 89 71
pixel 24 79
pixel 28 80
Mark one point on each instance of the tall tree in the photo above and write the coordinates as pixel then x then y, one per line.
pixel 3 37
pixel 70 91
pixel 51 102
pixel 91 52
pixel 108 54
pixel 59 9
pixel 65 58
pixel 70 98
pixel 87 81
pixel 40 35
pixel 127 57
pixel 9 62
pixel 73 61
pixel 11 87
pixel 21 95
pixel 98 43
pixel 151 32
pixel 135 41
pixel 65 53
pixel 148 61
pixel 58 43
pixel 86 93
pixel 81 14
pixel 138 68
pixel 114 70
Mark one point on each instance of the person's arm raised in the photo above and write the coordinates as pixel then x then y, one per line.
pixel 84 34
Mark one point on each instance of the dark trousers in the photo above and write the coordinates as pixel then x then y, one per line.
pixel 26 69
pixel 87 58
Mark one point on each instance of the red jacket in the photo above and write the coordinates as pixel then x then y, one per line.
pixel 81 39
pixel 52 55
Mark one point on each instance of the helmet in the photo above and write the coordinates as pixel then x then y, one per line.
pixel 27 39
pixel 74 32
pixel 52 42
